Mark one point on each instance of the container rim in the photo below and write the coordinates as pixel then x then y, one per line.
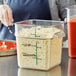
pixel 14 41
pixel 30 20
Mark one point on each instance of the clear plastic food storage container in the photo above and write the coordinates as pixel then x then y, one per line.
pixel 71 30
pixel 39 43
pixel 53 72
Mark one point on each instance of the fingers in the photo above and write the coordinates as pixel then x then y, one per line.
pixel 1 16
pixel 10 16
pixel 6 15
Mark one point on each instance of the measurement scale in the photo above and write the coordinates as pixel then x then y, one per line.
pixel 35 32
pixel 34 56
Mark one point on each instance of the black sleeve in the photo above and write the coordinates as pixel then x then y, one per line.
pixel 61 5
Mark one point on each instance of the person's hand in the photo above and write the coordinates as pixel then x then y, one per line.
pixel 6 15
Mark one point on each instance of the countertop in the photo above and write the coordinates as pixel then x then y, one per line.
pixel 9 67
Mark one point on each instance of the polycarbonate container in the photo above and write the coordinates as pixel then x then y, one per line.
pixel 53 72
pixel 39 43
pixel 71 30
